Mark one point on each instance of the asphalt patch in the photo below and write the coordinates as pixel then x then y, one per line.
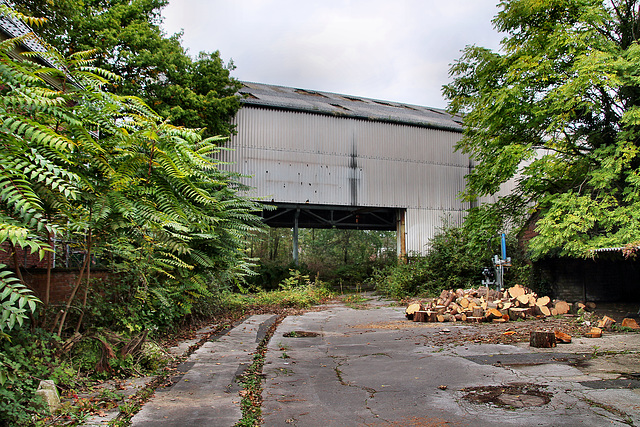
pixel 515 395
pixel 529 359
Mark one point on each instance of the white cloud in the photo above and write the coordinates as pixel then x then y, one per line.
pixel 398 51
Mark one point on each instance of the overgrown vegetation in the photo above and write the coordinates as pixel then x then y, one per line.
pixel 557 111
pixel 455 259
pixel 342 258
pixel 146 198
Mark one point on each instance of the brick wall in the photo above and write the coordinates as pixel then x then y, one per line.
pixel 25 258
pixel 62 281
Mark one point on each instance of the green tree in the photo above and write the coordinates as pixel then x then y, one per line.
pixel 193 92
pixel 558 108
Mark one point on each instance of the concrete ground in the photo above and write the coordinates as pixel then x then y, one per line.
pixel 343 366
pixel 373 368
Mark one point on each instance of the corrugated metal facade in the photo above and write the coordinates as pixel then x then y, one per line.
pixel 301 157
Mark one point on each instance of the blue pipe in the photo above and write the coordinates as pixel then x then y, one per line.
pixel 504 246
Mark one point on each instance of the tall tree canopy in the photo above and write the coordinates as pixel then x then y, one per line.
pixel 558 108
pixel 194 92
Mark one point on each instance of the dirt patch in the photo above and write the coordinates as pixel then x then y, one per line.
pixel 515 395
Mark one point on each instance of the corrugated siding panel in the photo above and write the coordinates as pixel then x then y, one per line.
pixel 422 224
pixel 300 157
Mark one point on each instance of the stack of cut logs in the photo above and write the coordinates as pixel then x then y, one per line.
pixel 486 305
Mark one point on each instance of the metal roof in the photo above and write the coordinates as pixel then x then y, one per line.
pixel 288 98
pixel 16 28
pixel 30 41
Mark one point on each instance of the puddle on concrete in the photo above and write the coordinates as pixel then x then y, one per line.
pixel 515 395
pixel 300 334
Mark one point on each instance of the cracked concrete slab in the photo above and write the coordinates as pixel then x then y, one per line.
pixel 356 372
pixel 207 393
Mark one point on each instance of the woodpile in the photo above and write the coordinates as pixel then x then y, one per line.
pixel 486 305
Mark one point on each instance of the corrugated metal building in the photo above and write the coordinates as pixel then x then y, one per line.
pixel 334 160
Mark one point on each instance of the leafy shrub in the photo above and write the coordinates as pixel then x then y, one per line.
pixel 25 358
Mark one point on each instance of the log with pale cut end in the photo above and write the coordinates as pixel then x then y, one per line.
pixel 543 301
pixel 516 313
pixel 523 300
pixel 543 310
pixel 606 322
pixel 630 323
pixel 516 291
pixel 562 307
pixel 594 333
pixel 493 313
pixel 506 305
pixel 463 317
pixel 446 317
pixel 499 320
pixel 554 312
pixel 463 302
pixel 561 337
pixel 542 339
pixel 411 309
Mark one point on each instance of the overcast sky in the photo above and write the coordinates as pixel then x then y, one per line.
pixel 395 50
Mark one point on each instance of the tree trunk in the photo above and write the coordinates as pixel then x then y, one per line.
pixel 76 285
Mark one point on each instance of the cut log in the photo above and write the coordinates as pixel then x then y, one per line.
pixel 516 291
pixel 478 312
pixel 543 301
pixel 499 320
pixel 630 323
pixel 424 316
pixel 594 333
pixel 440 309
pixel 493 313
pixel 523 299
pixel 542 339
pixel 412 308
pixel 543 310
pixel 554 312
pixel 561 337
pixel 507 305
pixel 532 299
pixel 562 307
pixel 464 303
pixel 449 299
pixel 516 313
pixel 463 317
pixel 606 322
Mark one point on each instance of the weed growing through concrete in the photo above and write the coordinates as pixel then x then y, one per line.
pixel 251 380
